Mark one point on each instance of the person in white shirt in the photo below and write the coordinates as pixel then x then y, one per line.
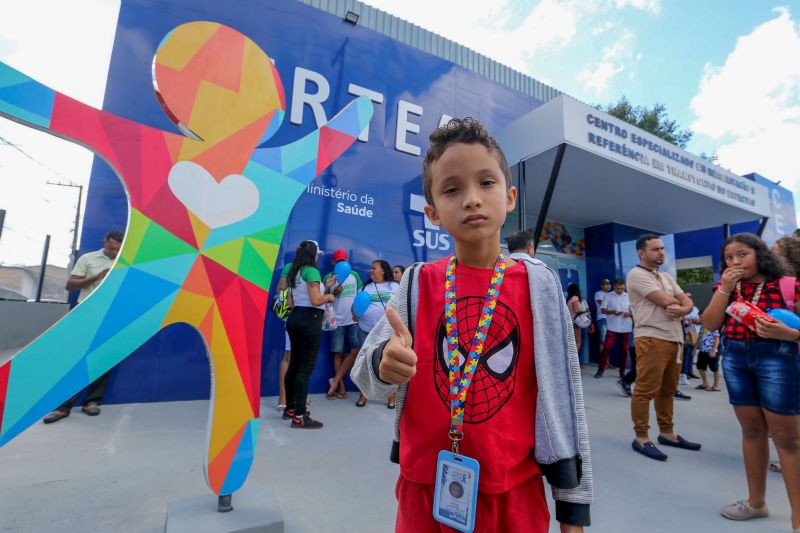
pixel 520 245
pixel 87 274
pixel 346 331
pixel 617 308
pixel 380 287
pixel 601 322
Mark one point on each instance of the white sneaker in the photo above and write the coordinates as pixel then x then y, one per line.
pixel 684 380
pixel 742 510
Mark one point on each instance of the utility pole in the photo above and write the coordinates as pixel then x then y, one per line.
pixel 74 254
pixel 2 220
pixel 42 268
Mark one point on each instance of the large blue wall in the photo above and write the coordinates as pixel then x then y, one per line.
pixel 173 364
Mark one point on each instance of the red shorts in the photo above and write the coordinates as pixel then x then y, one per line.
pixel 522 509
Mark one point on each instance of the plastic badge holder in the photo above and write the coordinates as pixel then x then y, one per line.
pixel 455 495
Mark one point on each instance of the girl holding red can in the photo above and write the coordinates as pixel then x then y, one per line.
pixel 761 366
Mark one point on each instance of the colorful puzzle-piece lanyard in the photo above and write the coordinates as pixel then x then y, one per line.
pixel 756 295
pixel 460 384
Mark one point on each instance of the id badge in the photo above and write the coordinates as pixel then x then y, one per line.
pixel 455 494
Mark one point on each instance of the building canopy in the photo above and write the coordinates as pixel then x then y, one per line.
pixel 610 171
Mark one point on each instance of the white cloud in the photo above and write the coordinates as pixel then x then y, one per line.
pixel 770 152
pixel 597 76
pixel 67 47
pixel 602 28
pixel 519 41
pixel 751 104
pixel 62 44
pixel 653 6
pixel 550 25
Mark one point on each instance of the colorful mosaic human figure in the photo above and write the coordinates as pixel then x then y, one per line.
pixel 208 210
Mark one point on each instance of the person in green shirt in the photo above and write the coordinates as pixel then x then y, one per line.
pixel 304 326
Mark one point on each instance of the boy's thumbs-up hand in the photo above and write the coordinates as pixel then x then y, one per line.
pixel 399 362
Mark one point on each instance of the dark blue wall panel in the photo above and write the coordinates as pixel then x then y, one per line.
pixel 173 364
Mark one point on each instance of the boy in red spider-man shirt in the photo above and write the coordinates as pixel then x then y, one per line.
pixel 481 334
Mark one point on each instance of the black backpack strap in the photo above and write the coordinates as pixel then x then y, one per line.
pixel 409 312
pixel 394 454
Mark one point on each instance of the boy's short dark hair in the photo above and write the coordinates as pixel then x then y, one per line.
pixel 459 130
pixel 641 242
pixel 619 281
pixel 519 240
pixel 115 235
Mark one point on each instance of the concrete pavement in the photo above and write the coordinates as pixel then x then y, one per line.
pixel 117 472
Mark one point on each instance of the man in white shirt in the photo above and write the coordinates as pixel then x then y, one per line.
pixel 617 308
pixel 601 321
pixel 87 274
pixel 520 245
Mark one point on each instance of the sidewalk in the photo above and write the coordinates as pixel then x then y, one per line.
pixel 117 472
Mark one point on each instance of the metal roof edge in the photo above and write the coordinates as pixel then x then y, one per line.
pixel 408 33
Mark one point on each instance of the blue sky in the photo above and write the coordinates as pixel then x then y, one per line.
pixel 729 70
pixel 663 54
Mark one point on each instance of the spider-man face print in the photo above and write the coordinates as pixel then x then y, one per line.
pixel 493 383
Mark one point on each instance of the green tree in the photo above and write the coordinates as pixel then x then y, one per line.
pixel 652 119
pixel 695 276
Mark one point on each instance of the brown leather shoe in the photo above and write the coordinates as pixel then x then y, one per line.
pixel 91 409
pixel 55 416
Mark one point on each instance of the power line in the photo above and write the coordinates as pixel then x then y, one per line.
pixel 5 141
pixel 19 234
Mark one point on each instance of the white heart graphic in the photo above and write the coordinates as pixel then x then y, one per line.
pixel 217 204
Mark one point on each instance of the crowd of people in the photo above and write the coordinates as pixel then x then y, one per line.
pixel 651 322
pixel 671 338
pixel 312 297
pixel 499 326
